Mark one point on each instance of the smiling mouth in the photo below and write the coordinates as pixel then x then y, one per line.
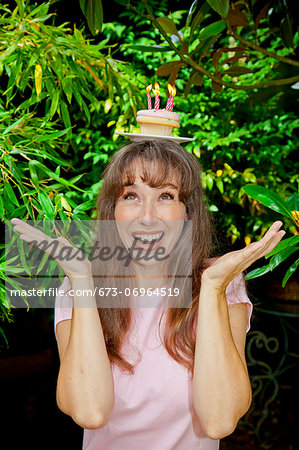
pixel 148 239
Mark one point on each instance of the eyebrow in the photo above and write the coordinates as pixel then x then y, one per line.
pixel 173 186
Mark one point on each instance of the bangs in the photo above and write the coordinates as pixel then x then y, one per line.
pixel 158 164
pixel 155 173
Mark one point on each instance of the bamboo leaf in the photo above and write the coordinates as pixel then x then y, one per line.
pixel 50 137
pixel 84 206
pixel 38 77
pixel 46 204
pixel 53 175
pixel 54 103
pixel 65 116
pixel 33 175
pixel 10 194
pixel 93 11
pixel 22 255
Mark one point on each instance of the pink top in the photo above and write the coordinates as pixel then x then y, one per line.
pixel 153 408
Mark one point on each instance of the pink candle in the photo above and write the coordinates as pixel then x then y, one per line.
pixel 168 104
pixel 171 105
pixel 149 99
pixel 157 93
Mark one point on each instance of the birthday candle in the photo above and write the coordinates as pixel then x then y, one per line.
pixel 157 93
pixel 168 104
pixel 172 99
pixel 149 100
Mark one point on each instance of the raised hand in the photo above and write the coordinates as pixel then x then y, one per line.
pixel 75 265
pixel 228 266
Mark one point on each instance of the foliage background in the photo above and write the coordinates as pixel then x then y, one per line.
pixel 66 92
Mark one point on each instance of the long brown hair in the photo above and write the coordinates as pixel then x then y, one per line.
pixel 160 160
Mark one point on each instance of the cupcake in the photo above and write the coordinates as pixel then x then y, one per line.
pixel 158 122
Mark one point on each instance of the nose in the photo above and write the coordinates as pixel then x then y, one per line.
pixel 148 214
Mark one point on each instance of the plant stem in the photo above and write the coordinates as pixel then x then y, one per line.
pixel 199 68
pixel 264 51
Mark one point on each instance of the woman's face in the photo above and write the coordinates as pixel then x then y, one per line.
pixel 150 217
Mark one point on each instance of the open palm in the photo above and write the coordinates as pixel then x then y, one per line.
pixel 219 274
pixel 76 264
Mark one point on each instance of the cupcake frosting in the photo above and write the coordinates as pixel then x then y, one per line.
pixel 159 113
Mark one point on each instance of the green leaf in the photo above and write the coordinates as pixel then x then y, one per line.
pixel 67 86
pixel 33 175
pixel 44 260
pixel 293 202
pixel 212 30
pixel 190 12
pixel 219 184
pixel 200 15
pixel 20 4
pixel 54 103
pixel 94 15
pixel 268 198
pixel 65 115
pixel 10 194
pixel 289 272
pixel 13 125
pixel 209 181
pixel 83 5
pixel 281 256
pixel 53 175
pixel 168 25
pixel 1 207
pixel 220 6
pixel 84 206
pixel 46 205
pixel 23 256
pixel 257 272
pixel 50 137
pixel 283 244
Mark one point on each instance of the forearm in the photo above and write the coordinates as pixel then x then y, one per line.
pixel 85 383
pixel 221 386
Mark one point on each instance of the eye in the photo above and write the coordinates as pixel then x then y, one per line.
pixel 129 196
pixel 166 196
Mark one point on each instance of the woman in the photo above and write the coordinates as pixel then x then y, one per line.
pixel 143 377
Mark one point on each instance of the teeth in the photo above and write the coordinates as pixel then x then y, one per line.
pixel 148 237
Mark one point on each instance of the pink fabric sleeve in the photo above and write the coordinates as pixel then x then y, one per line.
pixel 63 304
pixel 236 293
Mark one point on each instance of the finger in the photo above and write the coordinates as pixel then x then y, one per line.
pixel 252 252
pixel 29 231
pixel 276 239
pixel 259 249
pixel 271 238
